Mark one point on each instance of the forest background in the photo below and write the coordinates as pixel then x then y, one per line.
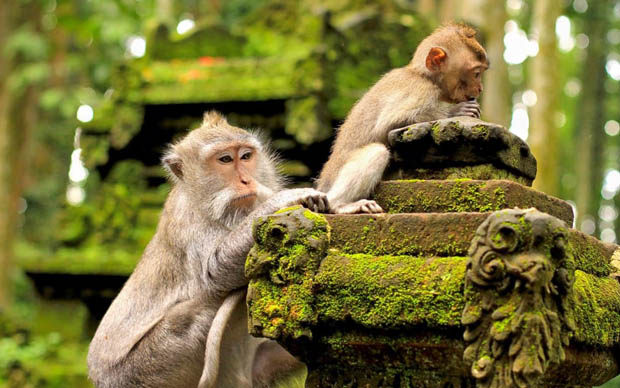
pixel 554 81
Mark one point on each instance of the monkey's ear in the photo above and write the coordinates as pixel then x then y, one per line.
pixel 173 164
pixel 436 56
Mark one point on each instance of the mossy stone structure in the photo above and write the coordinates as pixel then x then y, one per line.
pixel 471 278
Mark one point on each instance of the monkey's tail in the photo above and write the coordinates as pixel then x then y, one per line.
pixel 214 338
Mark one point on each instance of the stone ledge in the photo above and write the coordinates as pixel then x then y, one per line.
pixel 442 234
pixel 463 195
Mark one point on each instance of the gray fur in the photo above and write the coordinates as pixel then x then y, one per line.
pixel 154 333
pixel 404 96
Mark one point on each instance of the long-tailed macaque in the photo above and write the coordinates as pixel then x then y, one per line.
pixel 155 332
pixel 442 80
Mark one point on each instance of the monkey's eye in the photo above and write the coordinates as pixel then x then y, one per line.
pixel 246 156
pixel 225 159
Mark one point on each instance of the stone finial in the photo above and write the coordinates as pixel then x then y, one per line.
pixel 290 246
pixel 462 145
pixel 519 283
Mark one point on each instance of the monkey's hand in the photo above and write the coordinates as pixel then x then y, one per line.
pixel 310 198
pixel 469 108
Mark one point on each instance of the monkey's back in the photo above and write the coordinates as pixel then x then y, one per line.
pixel 363 126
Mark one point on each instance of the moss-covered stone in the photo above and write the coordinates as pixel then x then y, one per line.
pixel 379 318
pixel 291 244
pixel 218 79
pixel 597 310
pixel 478 172
pixel 405 234
pixel 386 292
pixel 464 195
pixel 591 255
pixel 457 142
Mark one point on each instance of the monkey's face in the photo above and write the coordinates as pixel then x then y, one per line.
pixel 235 166
pixel 465 80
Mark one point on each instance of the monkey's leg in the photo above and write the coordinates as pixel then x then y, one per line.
pixel 171 354
pixel 357 179
pixel 272 364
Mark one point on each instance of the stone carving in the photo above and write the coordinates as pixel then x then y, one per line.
pixel 518 315
pixel 290 246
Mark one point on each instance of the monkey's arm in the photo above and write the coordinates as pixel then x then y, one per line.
pixel 224 267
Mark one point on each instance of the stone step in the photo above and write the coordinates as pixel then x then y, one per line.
pixel 441 234
pixel 436 299
pixel 466 195
pixel 367 290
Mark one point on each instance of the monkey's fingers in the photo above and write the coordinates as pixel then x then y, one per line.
pixel 375 207
pixel 317 203
pixel 322 204
pixel 470 111
pixel 310 204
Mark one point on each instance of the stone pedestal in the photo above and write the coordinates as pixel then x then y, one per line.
pixel 462 283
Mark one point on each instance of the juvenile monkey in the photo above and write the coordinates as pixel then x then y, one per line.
pixel 155 331
pixel 442 80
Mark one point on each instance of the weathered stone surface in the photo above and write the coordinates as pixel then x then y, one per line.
pixel 418 234
pixel 519 290
pixel 464 195
pixel 477 172
pixel 423 359
pixel 463 283
pixel 458 142
pixel 386 320
pixel 442 234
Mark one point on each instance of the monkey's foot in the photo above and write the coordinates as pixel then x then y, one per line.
pixel 361 206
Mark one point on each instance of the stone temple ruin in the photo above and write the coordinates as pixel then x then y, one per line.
pixel 462 283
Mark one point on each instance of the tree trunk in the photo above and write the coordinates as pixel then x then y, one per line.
pixel 496 98
pixel 590 114
pixel 18 116
pixel 7 207
pixel 543 132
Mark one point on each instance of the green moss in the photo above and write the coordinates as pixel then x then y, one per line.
pixel 596 309
pixel 391 291
pixel 281 312
pixel 411 235
pixel 290 246
pixel 458 195
pixel 196 80
pixel 478 172
pixel 288 209
pixel 480 130
pixel 590 255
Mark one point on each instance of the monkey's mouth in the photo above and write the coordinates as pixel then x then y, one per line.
pixel 245 197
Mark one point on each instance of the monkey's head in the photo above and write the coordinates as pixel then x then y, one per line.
pixel 222 169
pixel 452 57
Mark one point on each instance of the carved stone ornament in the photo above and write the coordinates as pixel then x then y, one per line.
pixel 519 283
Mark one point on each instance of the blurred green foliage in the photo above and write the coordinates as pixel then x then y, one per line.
pixel 76 52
